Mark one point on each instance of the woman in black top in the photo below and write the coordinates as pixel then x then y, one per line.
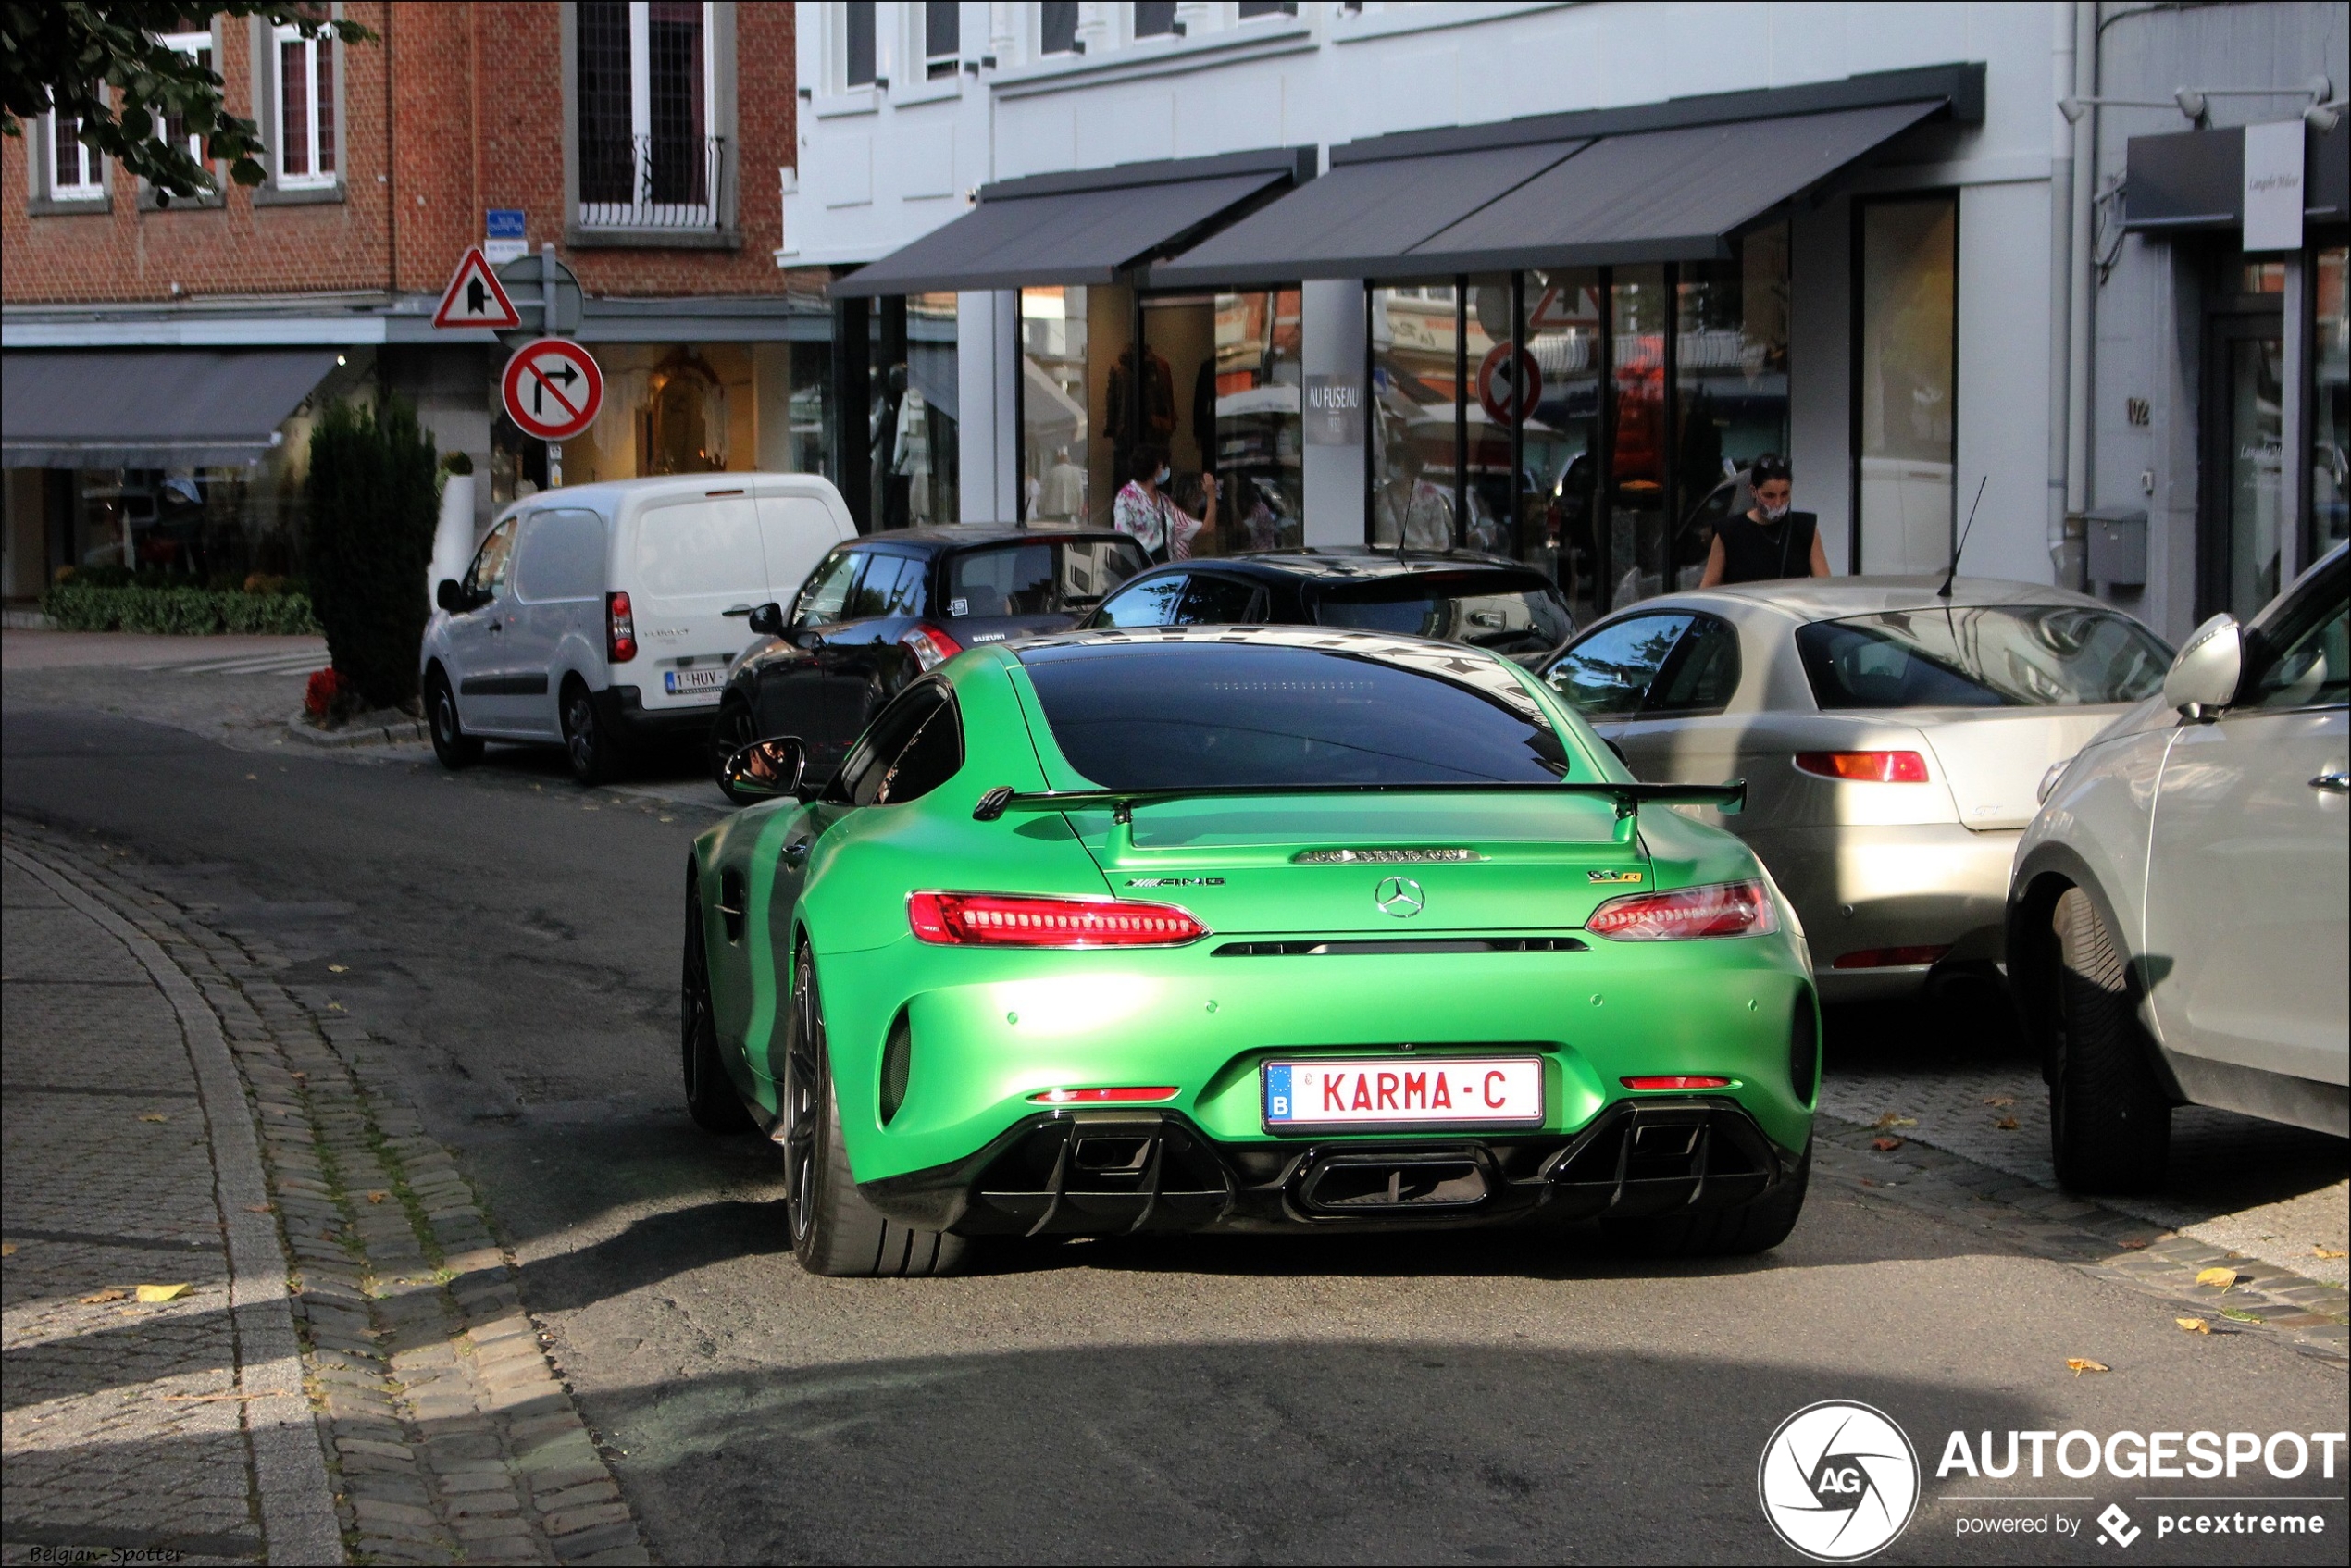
pixel 1768 541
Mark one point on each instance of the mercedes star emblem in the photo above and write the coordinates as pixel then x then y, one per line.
pixel 1400 896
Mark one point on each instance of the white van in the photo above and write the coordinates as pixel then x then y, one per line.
pixel 601 614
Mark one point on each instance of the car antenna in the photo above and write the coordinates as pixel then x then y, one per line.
pixel 1945 592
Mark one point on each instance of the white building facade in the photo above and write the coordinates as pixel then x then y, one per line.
pixel 1539 279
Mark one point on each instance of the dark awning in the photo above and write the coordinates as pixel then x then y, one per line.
pixel 2191 179
pixel 1085 227
pixel 150 408
pixel 1654 183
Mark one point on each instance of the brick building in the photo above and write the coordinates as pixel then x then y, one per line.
pixel 162 361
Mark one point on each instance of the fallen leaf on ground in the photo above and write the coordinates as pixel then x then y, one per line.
pixel 2000 1100
pixel 1886 1145
pixel 2220 1278
pixel 377 1196
pixel 338 969
pixel 103 1297
pixel 2080 1364
pixel 155 1294
pixel 261 1208
pixel 2194 1324
pixel 2132 1244
pixel 252 775
pixel 2006 1123
pixel 8 1249
pixel 153 1116
pixel 2235 1316
pixel 297 1076
pixel 2318 1251
pixel 334 1007
pixel 1895 1119
pixel 669 819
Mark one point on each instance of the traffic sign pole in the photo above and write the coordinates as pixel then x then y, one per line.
pixel 549 325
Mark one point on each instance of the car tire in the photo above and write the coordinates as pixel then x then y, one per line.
pixel 835 1232
pixel 733 730
pixel 592 750
pixel 450 743
pixel 1752 1228
pixel 711 1099
pixel 2109 1120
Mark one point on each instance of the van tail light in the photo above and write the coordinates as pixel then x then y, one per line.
pixel 1018 920
pixel 1719 909
pixel 1865 768
pixel 930 646
pixel 621 629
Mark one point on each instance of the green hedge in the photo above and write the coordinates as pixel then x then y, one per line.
pixel 178 611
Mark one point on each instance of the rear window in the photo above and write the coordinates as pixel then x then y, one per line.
pixel 1506 611
pixel 701 547
pixel 1185 715
pixel 1993 656
pixel 1041 579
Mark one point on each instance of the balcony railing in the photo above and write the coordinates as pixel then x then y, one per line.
pixel 659 182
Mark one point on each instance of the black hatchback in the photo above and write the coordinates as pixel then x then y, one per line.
pixel 879 610
pixel 1457 595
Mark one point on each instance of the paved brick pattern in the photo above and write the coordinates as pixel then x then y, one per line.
pixel 449 1433
pixel 2035 1218
pixel 121 1425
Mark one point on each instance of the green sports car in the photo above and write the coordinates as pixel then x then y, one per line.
pixel 1243 928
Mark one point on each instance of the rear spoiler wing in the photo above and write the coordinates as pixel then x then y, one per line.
pixel 1122 802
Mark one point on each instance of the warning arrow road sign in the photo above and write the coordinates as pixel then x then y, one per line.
pixel 476 298
pixel 553 389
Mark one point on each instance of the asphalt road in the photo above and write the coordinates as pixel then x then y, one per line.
pixel 1487 1397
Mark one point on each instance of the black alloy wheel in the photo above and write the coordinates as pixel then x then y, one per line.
pixel 733 731
pixel 711 1100
pixel 589 748
pixel 450 743
pixel 803 1093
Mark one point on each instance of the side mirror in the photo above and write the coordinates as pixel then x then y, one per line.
pixel 767 620
pixel 450 597
pixel 2205 676
pixel 766 769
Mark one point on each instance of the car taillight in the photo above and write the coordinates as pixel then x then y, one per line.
pixel 1676 1080
pixel 1719 909
pixel 621 629
pixel 1865 768
pixel 1017 920
pixel 930 646
pixel 1122 1096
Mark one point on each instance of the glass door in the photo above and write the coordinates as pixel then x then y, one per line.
pixel 2244 360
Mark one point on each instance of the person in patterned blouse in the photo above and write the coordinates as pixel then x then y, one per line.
pixel 1143 510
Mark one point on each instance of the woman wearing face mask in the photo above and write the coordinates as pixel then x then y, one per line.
pixel 1768 541
pixel 1142 509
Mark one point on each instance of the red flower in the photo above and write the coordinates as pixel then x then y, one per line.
pixel 319 697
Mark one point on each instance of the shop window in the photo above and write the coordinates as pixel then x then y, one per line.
pixel 76 171
pixel 913 419
pixel 305 128
pixel 1639 556
pixel 1063 478
pixel 857 44
pixel 943 34
pixel 1904 390
pixel 2329 405
pixel 1563 432
pixel 1730 388
pixel 1057 28
pixel 1415 381
pixel 647 154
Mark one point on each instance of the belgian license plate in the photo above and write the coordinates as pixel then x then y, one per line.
pixel 1405 1091
pixel 709 680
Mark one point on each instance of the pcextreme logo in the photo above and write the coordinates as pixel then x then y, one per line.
pixel 1838 1481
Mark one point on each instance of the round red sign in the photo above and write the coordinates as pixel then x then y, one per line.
pixel 553 389
pixel 1508 376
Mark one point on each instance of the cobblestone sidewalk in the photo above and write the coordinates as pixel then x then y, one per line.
pixel 447 1436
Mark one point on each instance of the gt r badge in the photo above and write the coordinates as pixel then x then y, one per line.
pixel 1400 896
pixel 1613 877
pixel 1175 881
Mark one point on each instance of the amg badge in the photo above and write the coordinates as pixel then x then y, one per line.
pixel 1175 881
pixel 1613 877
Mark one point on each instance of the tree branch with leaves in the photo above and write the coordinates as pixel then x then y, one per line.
pixel 106 68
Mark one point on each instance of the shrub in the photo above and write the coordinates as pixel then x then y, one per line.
pixel 374 499
pixel 76 605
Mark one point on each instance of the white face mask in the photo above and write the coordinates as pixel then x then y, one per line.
pixel 1774 513
pixel 1160 477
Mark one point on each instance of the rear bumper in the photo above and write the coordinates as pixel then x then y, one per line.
pixel 622 711
pixel 1098 1173
pixel 1866 888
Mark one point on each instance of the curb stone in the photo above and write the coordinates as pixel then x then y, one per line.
pixel 370 730
pixel 2310 1316
pixel 448 1434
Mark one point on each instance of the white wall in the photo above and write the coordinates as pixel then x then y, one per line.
pixel 2003 405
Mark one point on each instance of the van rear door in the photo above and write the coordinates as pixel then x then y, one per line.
pixel 797 525
pixel 694 557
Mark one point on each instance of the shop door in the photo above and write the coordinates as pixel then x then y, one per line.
pixel 2244 448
